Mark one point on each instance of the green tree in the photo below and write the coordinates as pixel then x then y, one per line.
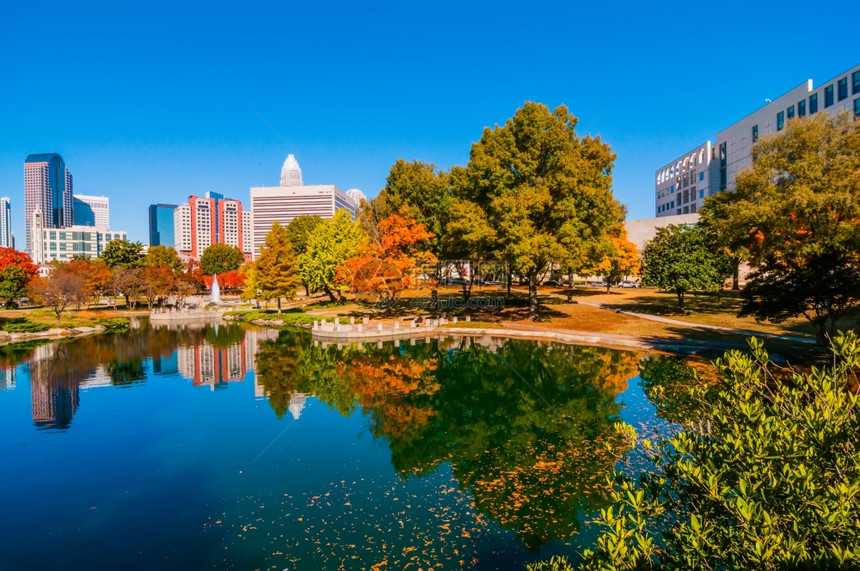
pixel 329 246
pixel 276 272
pixel 123 254
pixel 220 259
pixel 164 255
pixel 298 231
pixel 797 211
pixel 679 260
pixel 543 190
pixel 767 477
pixel 423 191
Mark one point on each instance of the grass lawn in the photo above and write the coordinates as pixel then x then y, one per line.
pixel 70 318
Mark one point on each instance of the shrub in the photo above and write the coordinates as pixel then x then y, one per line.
pixel 22 325
pixel 767 476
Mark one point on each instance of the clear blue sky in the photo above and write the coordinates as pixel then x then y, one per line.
pixel 153 101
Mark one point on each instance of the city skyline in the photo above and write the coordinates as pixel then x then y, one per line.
pixel 171 110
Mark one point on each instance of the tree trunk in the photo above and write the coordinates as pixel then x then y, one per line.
pixel 279 305
pixel 608 286
pixel 307 290
pixel 681 300
pixel 330 294
pixel 533 300
pixel 510 279
pixel 736 274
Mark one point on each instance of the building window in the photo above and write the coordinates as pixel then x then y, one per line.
pixel 790 111
pixel 813 103
pixel 701 194
pixel 855 83
pixel 801 108
pixel 857 107
pixel 755 133
pixel 843 88
pixel 672 189
pixel 780 121
pixel 701 176
pixel 828 96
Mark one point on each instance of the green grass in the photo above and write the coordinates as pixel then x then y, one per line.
pixel 291 317
pixel 23 325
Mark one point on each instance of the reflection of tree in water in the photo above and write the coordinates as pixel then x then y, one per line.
pixel 528 428
pixel 669 383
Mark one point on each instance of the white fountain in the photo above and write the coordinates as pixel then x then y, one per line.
pixel 216 290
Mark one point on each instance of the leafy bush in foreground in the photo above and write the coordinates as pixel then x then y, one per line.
pixel 767 477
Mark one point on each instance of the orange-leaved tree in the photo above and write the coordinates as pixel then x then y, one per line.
pixel 17 270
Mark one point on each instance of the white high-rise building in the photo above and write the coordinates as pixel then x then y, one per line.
pixel 182 227
pixel 683 184
pixel 6 222
pixel 91 210
pixel 357 196
pixel 291 173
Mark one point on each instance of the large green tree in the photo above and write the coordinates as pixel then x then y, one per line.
pixel 425 194
pixel 161 254
pixel 329 246
pixel 542 190
pixel 123 254
pixel 680 260
pixel 220 259
pixel 797 212
pixel 275 272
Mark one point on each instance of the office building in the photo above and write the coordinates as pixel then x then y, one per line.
pixel 6 223
pixel 161 225
pixel 684 183
pixel 291 173
pixel 290 200
pixel 64 243
pixel 357 197
pixel 48 187
pixel 91 210
pixel 207 220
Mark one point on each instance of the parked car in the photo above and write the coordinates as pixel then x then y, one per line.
pixel 629 284
pixel 600 284
pixel 552 283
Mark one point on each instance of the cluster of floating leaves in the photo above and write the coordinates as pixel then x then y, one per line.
pixel 361 524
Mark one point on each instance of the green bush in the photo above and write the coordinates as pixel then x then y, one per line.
pixel 555 563
pixel 114 323
pixel 22 325
pixel 291 317
pixel 765 476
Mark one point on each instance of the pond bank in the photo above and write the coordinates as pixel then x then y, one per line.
pixel 7 338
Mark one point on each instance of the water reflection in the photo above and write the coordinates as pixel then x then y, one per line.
pixel 527 428
pixel 207 355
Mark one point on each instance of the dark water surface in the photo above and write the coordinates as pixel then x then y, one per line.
pixel 223 447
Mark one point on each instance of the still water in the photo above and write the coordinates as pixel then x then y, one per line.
pixel 224 447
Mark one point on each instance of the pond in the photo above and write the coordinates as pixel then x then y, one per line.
pixel 225 447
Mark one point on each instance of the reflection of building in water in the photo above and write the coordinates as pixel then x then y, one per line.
pixel 7 377
pixel 53 404
pixel 98 378
pixel 166 365
pixel 297 403
pixel 253 338
pixel 207 365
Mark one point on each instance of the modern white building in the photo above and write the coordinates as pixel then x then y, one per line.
pixel 731 153
pixel 290 200
pixel 182 227
pixel 91 210
pixel 6 223
pixel 64 243
pixel 357 196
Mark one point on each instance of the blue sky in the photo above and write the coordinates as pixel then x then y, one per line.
pixel 151 102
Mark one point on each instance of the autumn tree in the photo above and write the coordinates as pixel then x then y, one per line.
pixel 298 231
pixel 617 257
pixel 220 259
pixel 63 287
pixel 128 282
pixel 679 260
pixel 276 272
pixel 330 245
pixel 385 267
pixel 164 255
pixel 122 254
pixel 544 191
pixel 17 270
pixel 796 211
pixel 420 191
pixel 159 281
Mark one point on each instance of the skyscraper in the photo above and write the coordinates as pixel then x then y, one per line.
pixel 91 210
pixel 47 186
pixel 5 223
pixel 291 174
pixel 161 225
pixel 204 221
